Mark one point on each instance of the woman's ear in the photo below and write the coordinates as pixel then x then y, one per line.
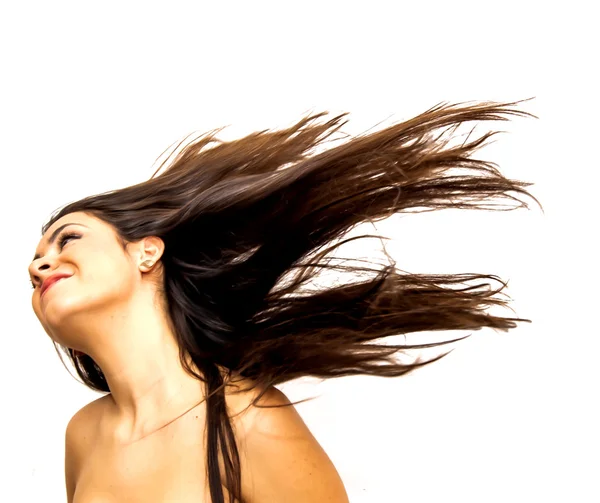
pixel 151 249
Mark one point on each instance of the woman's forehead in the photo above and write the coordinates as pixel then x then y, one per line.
pixel 77 217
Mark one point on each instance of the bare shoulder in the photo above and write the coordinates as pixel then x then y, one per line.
pixel 84 422
pixel 78 436
pixel 280 458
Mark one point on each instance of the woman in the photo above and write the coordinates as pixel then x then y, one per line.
pixel 180 297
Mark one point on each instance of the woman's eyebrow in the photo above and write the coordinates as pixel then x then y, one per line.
pixel 55 233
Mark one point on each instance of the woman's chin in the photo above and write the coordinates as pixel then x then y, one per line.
pixel 59 310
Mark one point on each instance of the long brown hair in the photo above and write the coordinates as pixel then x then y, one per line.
pixel 248 223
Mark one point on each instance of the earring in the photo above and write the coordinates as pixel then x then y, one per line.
pixel 147 263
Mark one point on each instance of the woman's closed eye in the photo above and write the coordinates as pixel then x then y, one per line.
pixel 62 240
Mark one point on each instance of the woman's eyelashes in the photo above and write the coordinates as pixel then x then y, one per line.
pixel 63 239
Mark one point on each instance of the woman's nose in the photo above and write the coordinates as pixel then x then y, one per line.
pixel 39 267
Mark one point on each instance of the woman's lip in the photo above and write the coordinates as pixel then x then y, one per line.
pixel 52 284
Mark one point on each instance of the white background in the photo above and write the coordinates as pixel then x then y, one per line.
pixel 93 92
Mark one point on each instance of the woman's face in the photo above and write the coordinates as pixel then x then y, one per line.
pixel 97 275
